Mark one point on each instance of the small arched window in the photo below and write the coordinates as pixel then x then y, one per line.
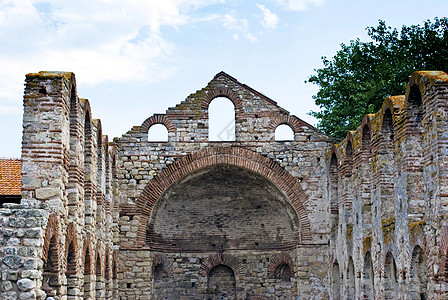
pixel 283 272
pixel 284 132
pixel 366 147
pixel 387 131
pixel 98 272
pixel 158 133
pixel 415 107
pixel 221 120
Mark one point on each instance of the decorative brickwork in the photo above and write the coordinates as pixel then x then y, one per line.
pixel 398 197
pixel 221 259
pixel 227 93
pixel 161 260
pixel 157 119
pixel 52 254
pixel 292 121
pixel 252 218
pixel 71 249
pixel 279 259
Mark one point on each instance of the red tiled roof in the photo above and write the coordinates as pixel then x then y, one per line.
pixel 10 176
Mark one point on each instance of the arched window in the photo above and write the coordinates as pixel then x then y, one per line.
pixel 283 272
pixel 415 107
pixel 221 120
pixel 390 277
pixel 284 132
pixel 419 275
pixel 368 280
pixel 221 282
pixel 98 269
pixel 351 280
pixel 387 131
pixel 365 146
pixel 158 133
pixel 336 281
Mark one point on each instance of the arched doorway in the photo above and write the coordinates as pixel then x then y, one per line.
pixel 214 209
pixel 221 283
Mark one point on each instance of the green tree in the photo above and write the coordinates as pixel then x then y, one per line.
pixel 361 74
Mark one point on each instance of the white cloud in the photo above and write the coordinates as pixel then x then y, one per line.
pixel 299 5
pixel 239 25
pixel 99 40
pixel 270 19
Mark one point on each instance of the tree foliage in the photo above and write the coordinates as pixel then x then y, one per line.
pixel 361 74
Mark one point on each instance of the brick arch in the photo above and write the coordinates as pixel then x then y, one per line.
pixel 161 259
pixel 87 249
pixel 98 262
pixel 221 259
pixel 99 134
pixel 223 155
pixel 277 260
pixel 157 119
pixel 334 151
pixel 74 103
pixel 71 237
pixel 366 136
pixel 52 231
pixel 348 155
pixel 291 121
pixel 396 105
pixel 223 92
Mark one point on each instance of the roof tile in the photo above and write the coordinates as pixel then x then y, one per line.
pixel 10 176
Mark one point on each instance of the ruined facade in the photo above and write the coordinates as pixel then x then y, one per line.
pixel 249 218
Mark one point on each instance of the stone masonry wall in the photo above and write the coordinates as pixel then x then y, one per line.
pixel 248 218
pixel 151 173
pixel 66 213
pixel 390 231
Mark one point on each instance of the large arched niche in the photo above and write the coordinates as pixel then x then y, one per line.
pixel 233 156
pixel 222 207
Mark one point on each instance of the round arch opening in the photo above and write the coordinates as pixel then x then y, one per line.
pixel 222 207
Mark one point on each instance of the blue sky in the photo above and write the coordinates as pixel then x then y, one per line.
pixel 136 58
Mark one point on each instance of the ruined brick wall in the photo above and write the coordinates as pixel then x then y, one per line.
pixel 249 218
pixel 66 215
pixel 248 201
pixel 388 194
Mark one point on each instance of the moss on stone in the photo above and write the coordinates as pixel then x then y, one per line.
pixel 388 227
pixel 349 232
pixel 367 244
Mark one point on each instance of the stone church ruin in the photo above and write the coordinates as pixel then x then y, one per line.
pixel 252 217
